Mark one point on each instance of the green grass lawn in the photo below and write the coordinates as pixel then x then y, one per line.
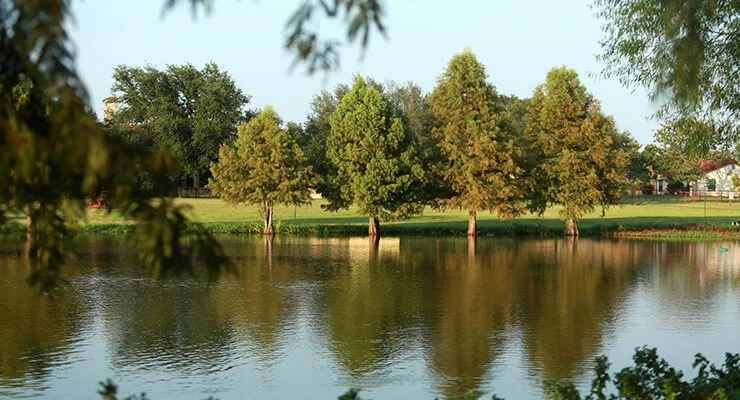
pixel 634 215
pixel 646 213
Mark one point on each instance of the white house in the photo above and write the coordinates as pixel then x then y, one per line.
pixel 719 180
pixel 660 185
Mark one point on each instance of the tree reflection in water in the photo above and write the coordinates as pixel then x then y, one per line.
pixel 38 332
pixel 447 312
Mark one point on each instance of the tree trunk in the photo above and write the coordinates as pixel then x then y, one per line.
pixel 196 181
pixel 34 213
pixel 29 235
pixel 374 245
pixel 572 242
pixel 267 241
pixel 472 224
pixel 269 230
pixel 571 227
pixel 373 228
pixel 29 224
pixel 471 248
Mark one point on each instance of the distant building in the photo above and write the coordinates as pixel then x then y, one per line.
pixel 718 180
pixel 110 107
pixel 660 184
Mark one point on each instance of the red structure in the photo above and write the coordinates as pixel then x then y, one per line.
pixel 99 201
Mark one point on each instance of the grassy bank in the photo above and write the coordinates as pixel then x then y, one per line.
pixel 643 218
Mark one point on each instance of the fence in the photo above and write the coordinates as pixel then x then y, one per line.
pixel 195 192
pixel 680 196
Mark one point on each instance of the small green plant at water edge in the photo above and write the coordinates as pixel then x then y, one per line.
pixel 109 391
pixel 652 377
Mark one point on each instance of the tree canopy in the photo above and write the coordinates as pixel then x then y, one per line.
pixel 188 111
pixel 264 167
pixel 375 158
pixel 53 153
pixel 316 132
pixel 684 52
pixel 578 162
pixel 478 158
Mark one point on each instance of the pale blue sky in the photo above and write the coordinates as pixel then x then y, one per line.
pixel 518 42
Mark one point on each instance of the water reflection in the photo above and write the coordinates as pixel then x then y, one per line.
pixel 690 298
pixel 38 334
pixel 570 299
pixel 370 308
pixel 452 311
pixel 472 303
pixel 256 303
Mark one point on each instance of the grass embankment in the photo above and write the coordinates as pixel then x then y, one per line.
pixel 644 218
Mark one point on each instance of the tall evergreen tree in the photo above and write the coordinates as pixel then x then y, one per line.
pixel 376 166
pixel 578 164
pixel 479 158
pixel 264 168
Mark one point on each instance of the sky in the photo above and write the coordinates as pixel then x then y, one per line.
pixel 517 42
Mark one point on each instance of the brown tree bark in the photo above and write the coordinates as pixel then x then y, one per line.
pixel 269 229
pixel 34 213
pixel 571 227
pixel 471 248
pixel 29 224
pixel 267 241
pixel 472 224
pixel 29 235
pixel 374 245
pixel 572 241
pixel 373 228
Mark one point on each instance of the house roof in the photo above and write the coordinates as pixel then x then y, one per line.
pixel 718 168
pixel 708 166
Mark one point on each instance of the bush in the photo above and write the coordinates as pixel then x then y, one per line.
pixel 653 378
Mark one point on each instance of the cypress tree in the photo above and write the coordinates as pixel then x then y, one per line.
pixel 479 157
pixel 265 167
pixel 579 166
pixel 374 154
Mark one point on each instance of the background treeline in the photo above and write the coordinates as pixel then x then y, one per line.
pixel 187 111
pixel 389 149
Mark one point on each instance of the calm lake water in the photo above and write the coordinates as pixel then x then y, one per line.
pixel 411 318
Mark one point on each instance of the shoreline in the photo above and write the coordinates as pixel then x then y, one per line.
pixel 687 231
pixel 634 219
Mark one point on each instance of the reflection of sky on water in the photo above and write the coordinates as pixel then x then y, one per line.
pixel 409 317
pixel 685 304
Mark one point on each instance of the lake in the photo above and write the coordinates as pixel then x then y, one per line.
pixel 404 318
